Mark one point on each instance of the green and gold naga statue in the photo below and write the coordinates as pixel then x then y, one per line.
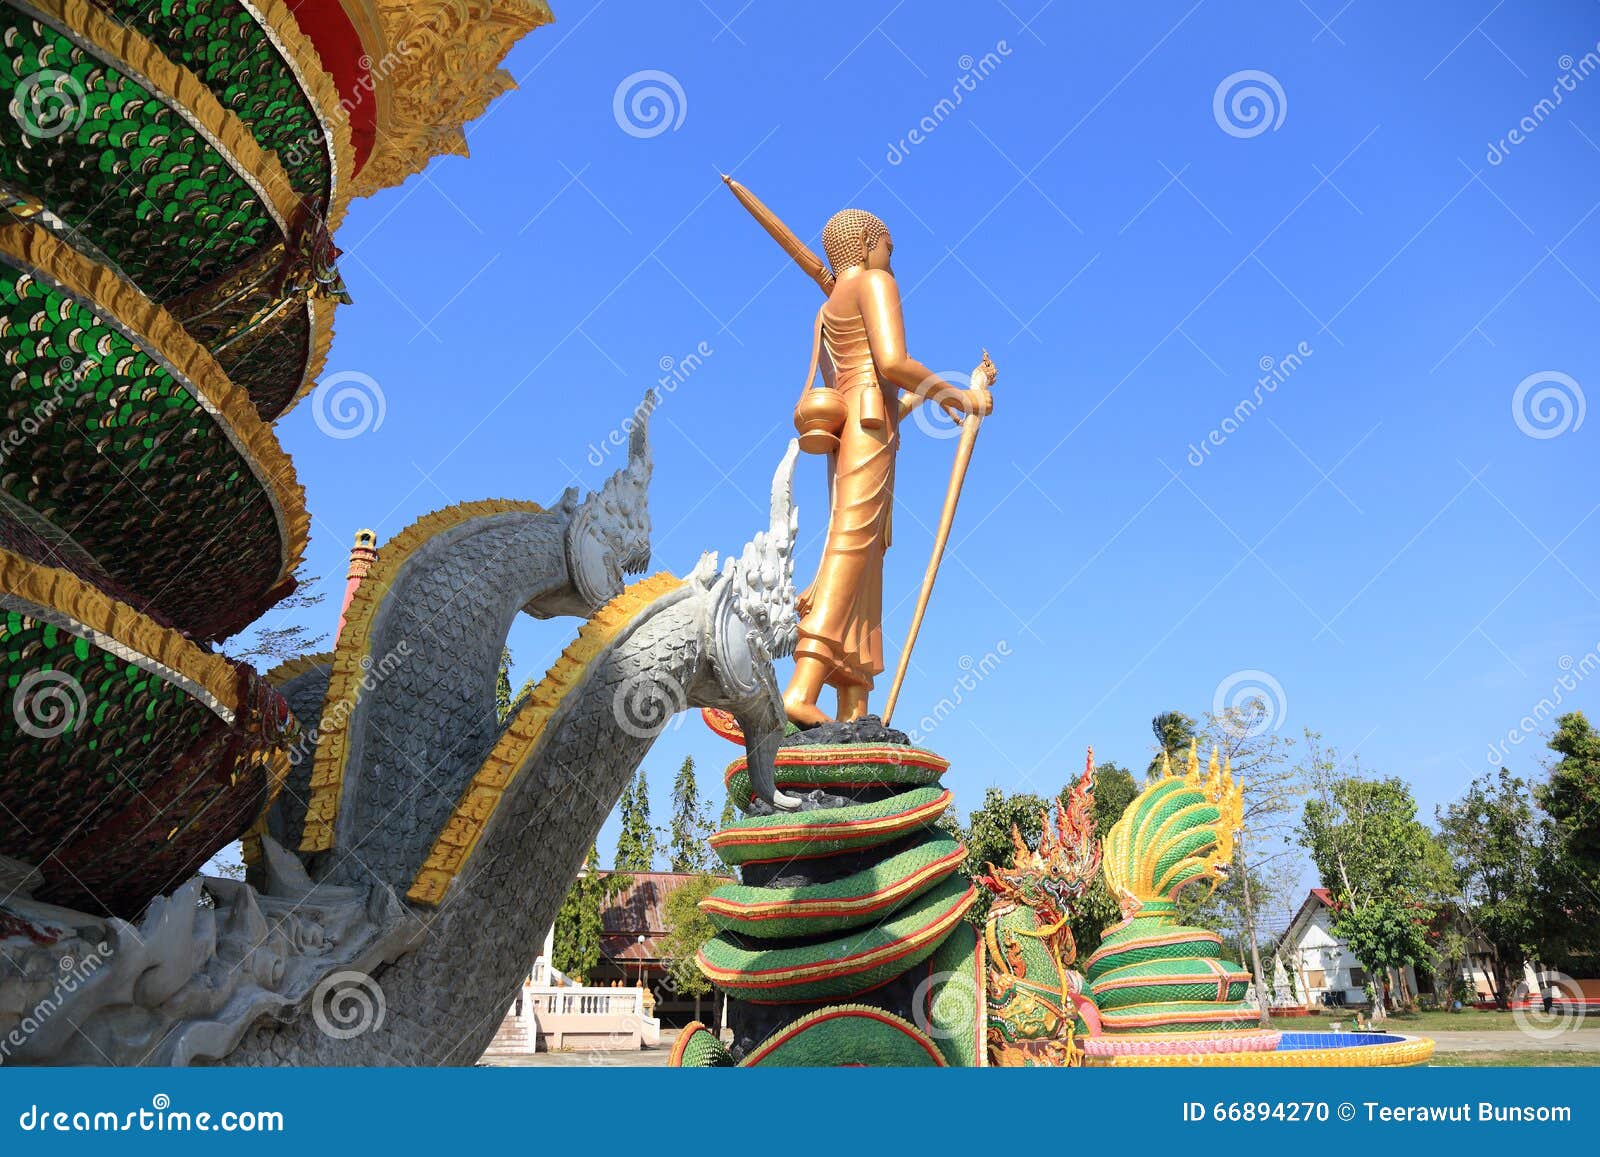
pixel 1161 986
pixel 844 942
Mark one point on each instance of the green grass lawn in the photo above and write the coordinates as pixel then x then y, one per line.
pixel 1468 1020
pixel 1522 1058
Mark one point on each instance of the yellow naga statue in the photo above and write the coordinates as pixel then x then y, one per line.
pixel 1156 981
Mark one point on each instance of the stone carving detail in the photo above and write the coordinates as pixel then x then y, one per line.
pixel 609 533
pixel 189 980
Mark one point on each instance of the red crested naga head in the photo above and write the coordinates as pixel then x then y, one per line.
pixel 1064 864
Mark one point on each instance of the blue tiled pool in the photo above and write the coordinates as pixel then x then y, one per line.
pixel 1336 1040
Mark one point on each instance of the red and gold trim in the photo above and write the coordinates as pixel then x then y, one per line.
pixel 1183 935
pixel 842 966
pixel 1170 1013
pixel 844 755
pixel 736 840
pixel 1412 1051
pixel 675 1057
pixel 861 905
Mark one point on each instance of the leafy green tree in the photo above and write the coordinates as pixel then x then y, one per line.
pixel 987 835
pixel 1175 734
pixel 637 843
pixel 989 828
pixel 687 844
pixel 1114 789
pixel 1376 858
pixel 729 813
pixel 688 929
pixel 1493 840
pixel 575 949
pixel 1570 871
pixel 502 686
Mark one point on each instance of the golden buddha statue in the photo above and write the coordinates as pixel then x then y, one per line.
pixel 870 383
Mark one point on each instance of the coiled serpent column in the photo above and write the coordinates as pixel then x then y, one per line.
pixel 844 943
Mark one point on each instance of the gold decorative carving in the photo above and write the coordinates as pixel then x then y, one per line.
pixel 294 668
pixel 435 66
pixel 94 611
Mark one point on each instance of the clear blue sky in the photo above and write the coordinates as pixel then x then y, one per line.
pixel 1380 536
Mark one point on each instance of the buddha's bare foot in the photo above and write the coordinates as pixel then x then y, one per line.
pixel 803 713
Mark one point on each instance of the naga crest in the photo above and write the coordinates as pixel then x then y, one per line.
pixel 752 618
pixel 762 578
pixel 1178 831
pixel 1064 864
pixel 609 535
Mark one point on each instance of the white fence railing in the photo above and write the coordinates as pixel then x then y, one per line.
pixel 590 1001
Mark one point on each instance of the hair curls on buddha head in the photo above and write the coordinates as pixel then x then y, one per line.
pixel 849 236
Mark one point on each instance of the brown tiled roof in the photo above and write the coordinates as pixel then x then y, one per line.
pixel 639 909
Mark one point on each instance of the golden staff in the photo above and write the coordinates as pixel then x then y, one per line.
pixel 783 235
pixel 982 376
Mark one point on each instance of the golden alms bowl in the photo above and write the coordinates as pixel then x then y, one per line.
pixel 819 418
